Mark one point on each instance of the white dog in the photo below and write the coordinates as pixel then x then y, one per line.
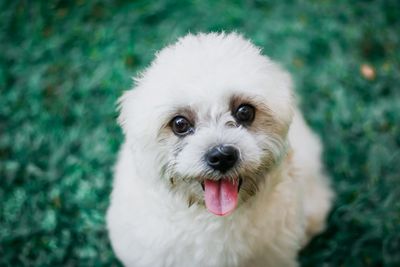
pixel 218 167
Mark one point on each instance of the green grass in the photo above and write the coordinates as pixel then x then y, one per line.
pixel 64 64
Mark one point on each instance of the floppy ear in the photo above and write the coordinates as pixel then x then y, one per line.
pixel 126 104
pixel 278 94
pixel 138 116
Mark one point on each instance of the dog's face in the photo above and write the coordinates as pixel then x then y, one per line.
pixel 209 117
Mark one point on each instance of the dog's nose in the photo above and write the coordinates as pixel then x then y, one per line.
pixel 222 157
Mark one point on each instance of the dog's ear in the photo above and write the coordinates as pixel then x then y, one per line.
pixel 133 111
pixel 137 116
pixel 278 94
pixel 124 105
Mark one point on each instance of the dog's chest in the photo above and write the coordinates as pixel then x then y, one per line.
pixel 195 240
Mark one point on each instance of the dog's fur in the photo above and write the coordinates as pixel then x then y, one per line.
pixel 157 215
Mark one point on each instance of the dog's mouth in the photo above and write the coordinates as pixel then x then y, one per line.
pixel 221 196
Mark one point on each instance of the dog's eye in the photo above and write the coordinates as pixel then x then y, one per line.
pixel 181 126
pixel 245 114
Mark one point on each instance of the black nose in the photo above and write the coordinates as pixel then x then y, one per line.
pixel 222 157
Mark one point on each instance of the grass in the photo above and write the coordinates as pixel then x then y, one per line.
pixel 63 65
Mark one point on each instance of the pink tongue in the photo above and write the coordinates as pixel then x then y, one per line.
pixel 221 196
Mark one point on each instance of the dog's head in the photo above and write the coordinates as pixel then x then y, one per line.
pixel 210 117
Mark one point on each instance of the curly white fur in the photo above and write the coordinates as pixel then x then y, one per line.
pixel 149 220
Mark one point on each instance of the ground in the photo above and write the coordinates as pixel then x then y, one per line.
pixel 63 65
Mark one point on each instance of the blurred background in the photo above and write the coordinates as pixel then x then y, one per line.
pixel 63 64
